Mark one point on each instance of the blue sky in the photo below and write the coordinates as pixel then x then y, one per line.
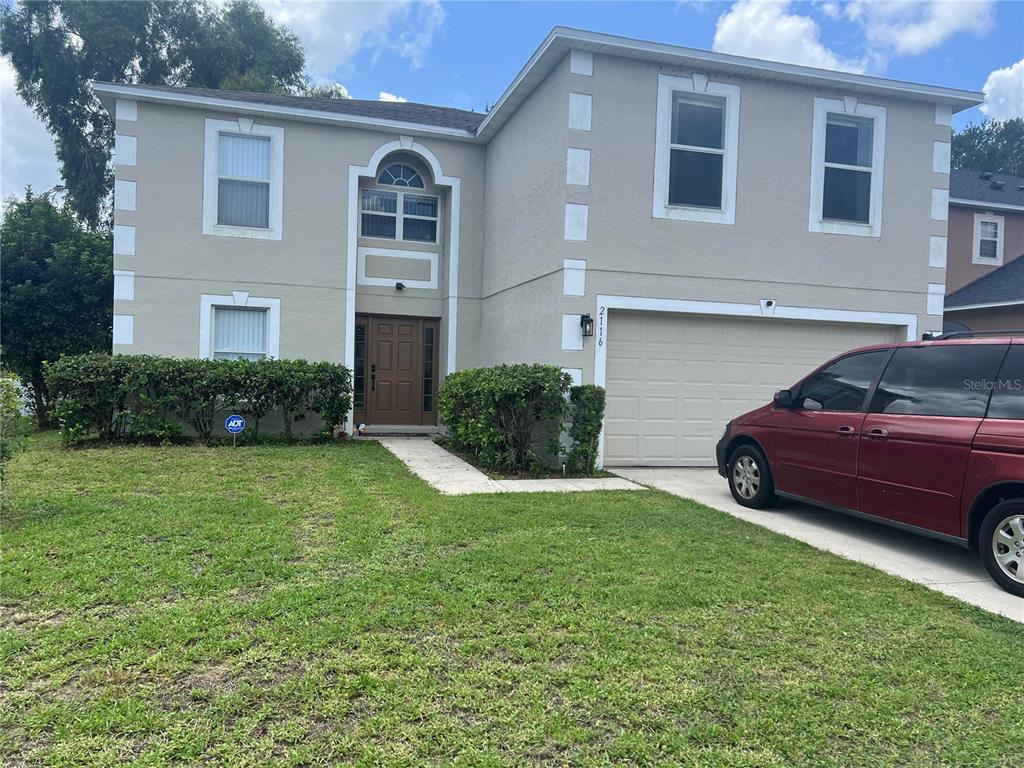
pixel 464 54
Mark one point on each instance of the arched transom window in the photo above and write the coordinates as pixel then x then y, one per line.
pixel 396 214
pixel 401 175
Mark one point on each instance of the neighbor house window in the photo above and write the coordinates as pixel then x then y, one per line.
pixel 239 333
pixel 239 327
pixel 988 239
pixel 397 214
pixel 697 144
pixel 243 179
pixel 847 150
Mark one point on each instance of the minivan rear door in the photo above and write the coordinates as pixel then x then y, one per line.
pixel 916 439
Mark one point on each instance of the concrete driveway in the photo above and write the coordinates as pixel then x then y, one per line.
pixel 943 567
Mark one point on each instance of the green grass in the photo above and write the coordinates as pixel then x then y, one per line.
pixel 318 605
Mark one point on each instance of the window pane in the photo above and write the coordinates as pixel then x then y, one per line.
pixel 847 195
pixel 939 381
pixel 699 124
pixel 239 333
pixel 1008 392
pixel 848 140
pixel 695 178
pixel 987 249
pixel 422 230
pixel 385 202
pixel 990 229
pixel 359 370
pixel 428 370
pixel 247 157
pixel 401 175
pixel 243 203
pixel 843 385
pixel 378 226
pixel 417 205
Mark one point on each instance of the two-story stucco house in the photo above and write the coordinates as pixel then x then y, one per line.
pixel 724 223
pixel 984 264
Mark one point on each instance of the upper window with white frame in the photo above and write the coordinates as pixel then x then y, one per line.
pixel 846 165
pixel 243 179
pixel 988 239
pixel 389 212
pixel 696 144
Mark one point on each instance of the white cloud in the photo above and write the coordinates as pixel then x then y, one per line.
pixel 1004 93
pixel 334 32
pixel 26 149
pixel 831 9
pixel 910 27
pixel 385 96
pixel 770 31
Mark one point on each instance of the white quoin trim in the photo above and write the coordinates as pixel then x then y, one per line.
pixel 405 144
pixel 606 304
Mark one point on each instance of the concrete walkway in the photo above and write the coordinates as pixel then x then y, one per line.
pixel 451 475
pixel 943 567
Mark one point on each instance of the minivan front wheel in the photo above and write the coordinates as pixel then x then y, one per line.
pixel 1001 543
pixel 750 479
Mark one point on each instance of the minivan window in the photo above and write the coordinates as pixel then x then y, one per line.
pixel 1008 388
pixel 941 380
pixel 843 385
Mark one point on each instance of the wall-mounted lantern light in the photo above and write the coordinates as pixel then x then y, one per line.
pixel 587 324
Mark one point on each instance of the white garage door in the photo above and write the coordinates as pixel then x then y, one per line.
pixel 673 381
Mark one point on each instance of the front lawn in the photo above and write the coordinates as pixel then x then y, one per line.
pixel 319 605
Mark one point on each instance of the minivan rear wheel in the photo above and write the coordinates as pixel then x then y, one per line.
pixel 1001 544
pixel 750 479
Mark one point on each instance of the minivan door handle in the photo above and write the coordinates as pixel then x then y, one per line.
pixel 878 434
pixel 845 431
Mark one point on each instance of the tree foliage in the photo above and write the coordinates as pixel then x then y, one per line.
pixel 58 46
pixel 991 146
pixel 56 280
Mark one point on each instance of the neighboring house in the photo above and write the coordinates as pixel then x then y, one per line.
pixel 724 223
pixel 984 269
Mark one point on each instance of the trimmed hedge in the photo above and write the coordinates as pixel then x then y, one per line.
pixel 144 397
pixel 503 415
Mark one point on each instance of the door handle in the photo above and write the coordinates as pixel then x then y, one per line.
pixel 845 431
pixel 878 434
pixel 373 378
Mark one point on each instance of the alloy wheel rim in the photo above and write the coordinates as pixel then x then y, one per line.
pixel 1008 547
pixel 746 477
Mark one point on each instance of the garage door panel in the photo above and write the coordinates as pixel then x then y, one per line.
pixel 674 381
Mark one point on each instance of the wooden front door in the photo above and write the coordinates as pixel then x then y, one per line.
pixel 399 370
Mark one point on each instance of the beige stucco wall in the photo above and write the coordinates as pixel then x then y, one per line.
pixel 991 319
pixel 175 262
pixel 959 267
pixel 767 253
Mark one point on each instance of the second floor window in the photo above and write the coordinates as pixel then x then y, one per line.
pixel 988 239
pixel 243 181
pixel 847 183
pixel 697 152
pixel 397 214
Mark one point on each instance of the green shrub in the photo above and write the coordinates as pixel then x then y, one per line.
pixel 143 397
pixel 585 428
pixel 500 414
pixel 13 422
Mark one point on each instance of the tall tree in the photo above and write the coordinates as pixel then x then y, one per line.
pixel 56 283
pixel 991 146
pixel 58 46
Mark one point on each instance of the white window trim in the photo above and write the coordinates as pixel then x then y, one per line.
pixel 400 214
pixel 430 256
pixel 851 107
pixel 211 147
pixel 1000 222
pixel 207 303
pixel 607 303
pixel 667 86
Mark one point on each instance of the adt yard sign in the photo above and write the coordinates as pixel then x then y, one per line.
pixel 234 424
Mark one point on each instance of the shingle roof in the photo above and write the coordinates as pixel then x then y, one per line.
pixel 1002 285
pixel 969 185
pixel 406 111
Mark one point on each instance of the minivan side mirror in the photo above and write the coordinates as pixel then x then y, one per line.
pixel 783 399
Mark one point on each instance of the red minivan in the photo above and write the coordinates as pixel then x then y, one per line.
pixel 927 436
